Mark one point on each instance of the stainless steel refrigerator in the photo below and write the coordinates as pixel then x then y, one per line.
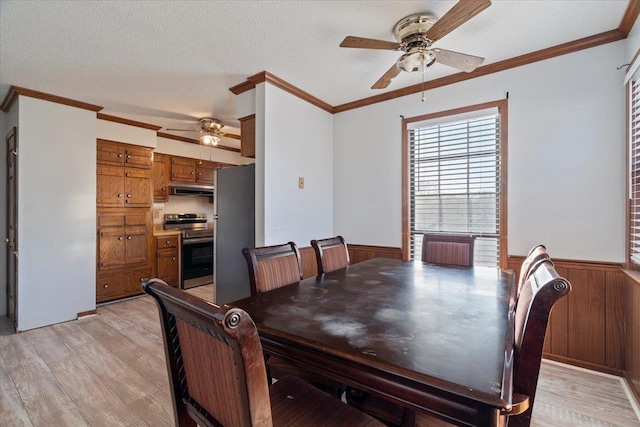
pixel 234 216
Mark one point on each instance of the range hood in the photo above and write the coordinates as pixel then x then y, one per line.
pixel 182 189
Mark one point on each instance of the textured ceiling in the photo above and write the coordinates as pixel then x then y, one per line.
pixel 170 62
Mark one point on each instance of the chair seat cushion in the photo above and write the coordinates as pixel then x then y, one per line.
pixel 296 403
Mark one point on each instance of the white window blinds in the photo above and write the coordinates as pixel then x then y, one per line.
pixel 634 169
pixel 455 182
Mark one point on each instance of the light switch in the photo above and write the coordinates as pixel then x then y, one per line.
pixel 301 182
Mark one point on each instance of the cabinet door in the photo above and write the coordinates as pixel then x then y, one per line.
pixel 111 247
pixel 110 187
pixel 160 176
pixel 248 136
pixel 137 186
pixel 139 157
pixel 110 153
pixel 108 285
pixel 204 172
pixel 132 282
pixel 183 169
pixel 168 266
pixel 136 245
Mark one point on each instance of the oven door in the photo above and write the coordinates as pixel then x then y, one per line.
pixel 197 262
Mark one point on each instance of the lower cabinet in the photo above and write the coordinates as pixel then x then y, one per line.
pixel 168 259
pixel 113 284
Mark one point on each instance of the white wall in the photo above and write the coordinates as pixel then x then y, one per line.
pixel 128 134
pixel 56 211
pixel 566 160
pixel 7 121
pixel 298 142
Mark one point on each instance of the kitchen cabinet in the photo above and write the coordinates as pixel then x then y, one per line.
pixel 122 240
pixel 123 187
pixel 248 136
pixel 161 171
pixel 124 224
pixel 183 169
pixel 205 171
pixel 114 284
pixel 168 259
pixel 112 153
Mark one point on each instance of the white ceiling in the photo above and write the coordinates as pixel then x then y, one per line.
pixel 170 62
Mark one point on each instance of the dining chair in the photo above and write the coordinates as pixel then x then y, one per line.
pixel 532 308
pixel 217 374
pixel 448 249
pixel 271 267
pixel 536 253
pixel 331 254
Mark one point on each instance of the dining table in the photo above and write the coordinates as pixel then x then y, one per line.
pixel 429 337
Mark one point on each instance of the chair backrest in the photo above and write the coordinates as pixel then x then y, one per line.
pixel 540 292
pixel 536 253
pixel 448 249
pixel 331 254
pixel 214 359
pixel 271 267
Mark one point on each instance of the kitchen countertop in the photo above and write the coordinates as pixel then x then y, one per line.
pixel 158 231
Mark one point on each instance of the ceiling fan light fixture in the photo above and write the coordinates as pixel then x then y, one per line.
pixel 209 138
pixel 416 61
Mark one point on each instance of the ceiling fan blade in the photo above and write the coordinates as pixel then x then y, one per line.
pixel 463 11
pixel 363 43
pixel 386 78
pixel 460 61
pixel 186 130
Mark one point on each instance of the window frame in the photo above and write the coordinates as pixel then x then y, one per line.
pixel 502 106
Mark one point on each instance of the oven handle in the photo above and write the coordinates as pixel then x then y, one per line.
pixel 195 240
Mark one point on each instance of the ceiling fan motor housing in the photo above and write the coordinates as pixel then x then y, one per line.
pixel 412 25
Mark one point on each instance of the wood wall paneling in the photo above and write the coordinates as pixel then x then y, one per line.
pixel 587 328
pixel 632 339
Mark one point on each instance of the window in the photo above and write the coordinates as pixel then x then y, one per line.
pixel 454 170
pixel 634 170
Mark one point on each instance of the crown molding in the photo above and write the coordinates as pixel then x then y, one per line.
pixel 14 91
pixel 128 122
pixel 265 76
pixel 629 18
pixel 197 142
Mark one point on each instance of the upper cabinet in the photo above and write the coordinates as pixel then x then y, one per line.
pixel 116 154
pixel 161 172
pixel 123 175
pixel 183 169
pixel 248 136
pixel 205 171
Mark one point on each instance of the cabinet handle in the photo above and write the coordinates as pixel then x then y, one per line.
pixel 142 279
pixel 119 155
pixel 128 156
pixel 120 238
pixel 106 285
pixel 128 196
pixel 119 195
pixel 199 173
pixel 164 188
pixel 128 237
pixel 192 173
pixel 167 242
pixel 173 258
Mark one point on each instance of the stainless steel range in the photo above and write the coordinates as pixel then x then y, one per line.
pixel 197 247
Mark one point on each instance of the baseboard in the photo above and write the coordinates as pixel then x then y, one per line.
pixel 633 393
pixel 84 314
pixel 586 365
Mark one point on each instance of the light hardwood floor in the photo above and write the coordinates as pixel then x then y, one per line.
pixel 109 370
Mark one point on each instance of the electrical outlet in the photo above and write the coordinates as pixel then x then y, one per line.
pixel 156 214
pixel 301 183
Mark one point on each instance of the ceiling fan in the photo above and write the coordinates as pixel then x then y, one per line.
pixel 209 131
pixel 416 34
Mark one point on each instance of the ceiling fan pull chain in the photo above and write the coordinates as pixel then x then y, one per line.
pixel 423 68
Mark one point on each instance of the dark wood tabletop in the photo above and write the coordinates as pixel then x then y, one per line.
pixel 424 335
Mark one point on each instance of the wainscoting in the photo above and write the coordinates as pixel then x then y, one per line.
pixel 357 253
pixel 587 328
pixel 632 342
